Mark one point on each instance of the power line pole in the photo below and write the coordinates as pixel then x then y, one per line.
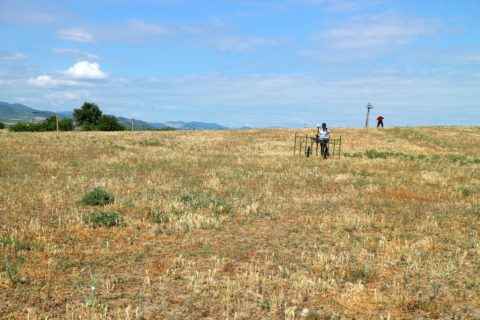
pixel 369 106
pixel 133 123
pixel 56 116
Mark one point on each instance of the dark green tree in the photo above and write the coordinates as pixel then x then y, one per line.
pixel 89 113
pixel 23 127
pixel 49 124
pixel 88 127
pixel 2 125
pixel 65 125
pixel 109 123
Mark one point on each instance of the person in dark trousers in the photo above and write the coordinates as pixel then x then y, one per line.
pixel 323 136
pixel 380 121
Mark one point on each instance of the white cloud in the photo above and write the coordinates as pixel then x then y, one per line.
pixel 375 32
pixel 12 56
pixel 140 27
pixel 87 71
pixel 272 99
pixel 473 57
pixel 127 31
pixel 77 75
pixel 242 44
pixel 41 81
pixel 26 12
pixel 367 35
pixel 7 82
pixel 217 34
pixel 344 5
pixel 76 34
pixel 76 54
pixel 68 95
pixel 46 81
pixel 193 30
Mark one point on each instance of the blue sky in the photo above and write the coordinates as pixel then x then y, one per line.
pixel 247 63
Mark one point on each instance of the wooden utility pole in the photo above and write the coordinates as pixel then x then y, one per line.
pixel 133 123
pixel 56 116
pixel 369 106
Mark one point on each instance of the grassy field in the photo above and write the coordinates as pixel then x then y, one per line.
pixel 232 225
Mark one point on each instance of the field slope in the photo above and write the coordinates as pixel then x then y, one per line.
pixel 232 225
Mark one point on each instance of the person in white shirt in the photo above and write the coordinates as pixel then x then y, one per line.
pixel 323 136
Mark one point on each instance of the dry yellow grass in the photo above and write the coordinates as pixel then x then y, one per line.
pixel 232 225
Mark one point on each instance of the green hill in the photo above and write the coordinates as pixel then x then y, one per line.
pixel 11 113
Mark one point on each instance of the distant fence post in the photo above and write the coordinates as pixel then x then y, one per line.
pixel 340 148
pixel 295 144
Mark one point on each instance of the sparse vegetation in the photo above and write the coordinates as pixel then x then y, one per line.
pixel 49 124
pixel 467 192
pixel 23 127
pixel 97 197
pixel 232 225
pixel 109 123
pixel 65 124
pixel 166 129
pixel 102 219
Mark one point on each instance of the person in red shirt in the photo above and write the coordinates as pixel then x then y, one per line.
pixel 380 121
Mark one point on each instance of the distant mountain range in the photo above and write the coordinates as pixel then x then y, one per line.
pixel 11 113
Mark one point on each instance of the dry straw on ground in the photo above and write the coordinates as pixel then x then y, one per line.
pixel 232 225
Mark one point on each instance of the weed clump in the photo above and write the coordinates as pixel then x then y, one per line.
pixel 467 192
pixel 159 217
pixel 374 154
pixel 10 268
pixel 200 201
pixel 102 219
pixel 97 197
pixel 186 197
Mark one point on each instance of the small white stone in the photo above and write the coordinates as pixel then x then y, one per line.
pixel 304 312
pixel 25 280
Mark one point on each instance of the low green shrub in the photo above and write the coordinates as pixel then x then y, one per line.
pixel 97 197
pixel 88 127
pixel 373 154
pixel 109 123
pixel 49 124
pixel 23 127
pixel 149 143
pixel 467 192
pixel 201 201
pixel 102 219
pixel 65 125
pixel 159 217
pixel 186 197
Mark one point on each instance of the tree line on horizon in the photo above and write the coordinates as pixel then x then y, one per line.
pixel 88 117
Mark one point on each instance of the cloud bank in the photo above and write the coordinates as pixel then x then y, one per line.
pixel 76 35
pixel 86 71
pixel 77 75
